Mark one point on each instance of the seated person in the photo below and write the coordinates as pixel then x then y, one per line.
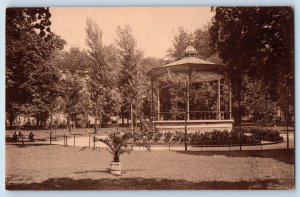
pixel 20 136
pixel 31 137
pixel 15 137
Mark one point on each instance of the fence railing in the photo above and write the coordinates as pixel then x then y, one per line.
pixel 192 115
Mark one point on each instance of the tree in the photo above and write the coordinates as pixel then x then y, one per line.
pixel 29 44
pixel 202 43
pixel 131 78
pixel 200 39
pixel 256 43
pixel 181 41
pixel 45 87
pixel 104 95
pixel 145 65
pixel 258 102
pixel 74 67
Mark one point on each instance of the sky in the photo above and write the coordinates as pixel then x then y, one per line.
pixel 153 27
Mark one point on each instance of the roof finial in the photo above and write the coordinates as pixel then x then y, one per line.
pixel 190 51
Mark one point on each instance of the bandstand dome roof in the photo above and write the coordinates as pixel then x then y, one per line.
pixel 206 70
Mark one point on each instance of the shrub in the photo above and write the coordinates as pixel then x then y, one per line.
pixel 264 134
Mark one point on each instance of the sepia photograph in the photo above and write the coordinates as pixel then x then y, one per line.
pixel 150 98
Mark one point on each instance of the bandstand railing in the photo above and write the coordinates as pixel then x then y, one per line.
pixel 192 115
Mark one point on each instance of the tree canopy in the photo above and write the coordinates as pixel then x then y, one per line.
pixel 255 43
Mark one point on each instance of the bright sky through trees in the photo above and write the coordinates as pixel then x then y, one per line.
pixel 153 27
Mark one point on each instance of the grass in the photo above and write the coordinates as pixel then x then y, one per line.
pixel 52 167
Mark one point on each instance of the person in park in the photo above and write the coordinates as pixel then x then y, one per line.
pixel 20 136
pixel 15 137
pixel 31 137
pixel 70 125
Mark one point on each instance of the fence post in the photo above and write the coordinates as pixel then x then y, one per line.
pixel 94 141
pixel 50 136
pixel 260 142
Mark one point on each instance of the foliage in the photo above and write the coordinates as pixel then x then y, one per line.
pixel 263 133
pixel 104 94
pixel 131 79
pixel 172 93
pixel 118 143
pixel 74 65
pixel 144 66
pixel 200 39
pixel 258 102
pixel 29 47
pixel 256 43
pixel 215 137
pixel 180 43
pixel 20 20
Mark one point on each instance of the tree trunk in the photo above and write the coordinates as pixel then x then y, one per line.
pixel 50 127
pixel 287 130
pixel 131 116
pixel 11 121
pixel 131 119
pixel 95 125
pixel 239 121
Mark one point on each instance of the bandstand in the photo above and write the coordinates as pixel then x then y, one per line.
pixel 190 120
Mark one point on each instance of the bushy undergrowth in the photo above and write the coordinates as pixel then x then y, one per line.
pixel 263 134
pixel 216 137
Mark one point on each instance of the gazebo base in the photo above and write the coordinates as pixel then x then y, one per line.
pixel 193 125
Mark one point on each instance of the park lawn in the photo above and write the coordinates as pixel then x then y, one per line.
pixel 53 167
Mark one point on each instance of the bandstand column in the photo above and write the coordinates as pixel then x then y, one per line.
pixel 219 96
pixel 158 105
pixel 188 98
pixel 230 107
pixel 151 99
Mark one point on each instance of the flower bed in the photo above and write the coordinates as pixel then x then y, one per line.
pixel 214 138
pixel 263 134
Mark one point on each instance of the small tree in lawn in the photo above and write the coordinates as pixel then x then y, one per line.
pixel 117 143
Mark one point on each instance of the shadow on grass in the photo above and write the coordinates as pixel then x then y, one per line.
pixel 282 155
pixel 147 184
pixel 28 144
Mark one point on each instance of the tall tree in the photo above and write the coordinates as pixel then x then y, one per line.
pixel 256 42
pixel 200 39
pixel 29 45
pixel 74 67
pixel 181 41
pixel 202 43
pixel 101 80
pixel 145 65
pixel 131 79
pixel 22 53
